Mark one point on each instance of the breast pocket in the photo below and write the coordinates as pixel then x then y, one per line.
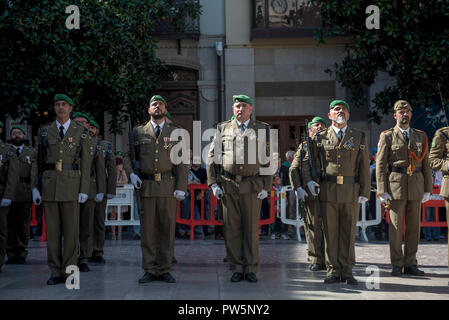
pixel 398 152
pixel 146 145
pixel 329 151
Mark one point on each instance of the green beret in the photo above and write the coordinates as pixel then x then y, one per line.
pixel 64 97
pixel 158 98
pixel 335 102
pixel 17 127
pixel 168 115
pixel 94 123
pixel 242 98
pixel 1 124
pixel 119 153
pixel 81 115
pixel 316 119
pixel 401 104
pixel 233 117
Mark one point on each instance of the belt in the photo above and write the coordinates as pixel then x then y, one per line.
pixel 59 166
pixel 342 179
pixel 156 176
pixel 236 178
pixel 25 179
pixel 403 169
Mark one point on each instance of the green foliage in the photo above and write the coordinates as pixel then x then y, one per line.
pixel 109 64
pixel 411 46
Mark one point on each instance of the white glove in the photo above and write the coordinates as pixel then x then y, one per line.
pixel 110 196
pixel 262 194
pixel 37 199
pixel 82 197
pixel 5 202
pixel 301 194
pixel 384 197
pixel 135 180
pixel 179 195
pixel 216 190
pixel 425 197
pixel 362 199
pixel 314 188
pixel 99 197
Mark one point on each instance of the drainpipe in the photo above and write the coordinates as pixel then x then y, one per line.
pixel 219 49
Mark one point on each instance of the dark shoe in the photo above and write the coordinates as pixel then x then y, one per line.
pixel 349 280
pixel 147 277
pixel 174 260
pixel 219 237
pixel 250 277
pixel 136 237
pixel 332 279
pixel 413 271
pixel 316 267
pixel 167 277
pixel 237 277
pixel 397 271
pixel 97 259
pixel 55 280
pixel 225 259
pixel 84 267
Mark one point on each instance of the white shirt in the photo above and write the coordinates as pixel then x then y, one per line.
pixel 161 125
pixel 402 131
pixel 66 125
pixel 20 148
pixel 337 130
pixel 246 123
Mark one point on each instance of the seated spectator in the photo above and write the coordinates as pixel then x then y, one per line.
pixel 277 228
pixel 122 179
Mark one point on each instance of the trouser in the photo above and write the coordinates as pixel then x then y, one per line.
pixel 62 221
pixel 291 212
pixel 410 211
pixel 3 233
pixel 19 218
pixel 339 221
pixel 158 224
pixel 240 216
pixel 99 228
pixel 86 230
pixel 313 227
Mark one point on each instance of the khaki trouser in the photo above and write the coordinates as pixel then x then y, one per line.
pixel 411 212
pixel 19 218
pixel 240 217
pixel 3 233
pixel 339 220
pixel 86 230
pixel 99 228
pixel 62 221
pixel 158 224
pixel 314 234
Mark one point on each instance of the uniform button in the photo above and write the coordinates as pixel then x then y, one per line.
pixel 157 142
pixel 241 168
pixel 157 151
pixel 156 160
pixel 62 142
pixel 339 156
pixel 60 151
pixel 155 169
pixel 339 165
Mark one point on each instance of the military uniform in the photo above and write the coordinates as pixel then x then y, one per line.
pixel 19 216
pixel 66 174
pixel 347 177
pixel 9 173
pixel 405 179
pixel 241 184
pixel 439 160
pixel 160 178
pixel 97 185
pixel 100 207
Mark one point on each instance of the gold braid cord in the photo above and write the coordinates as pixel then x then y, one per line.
pixel 412 156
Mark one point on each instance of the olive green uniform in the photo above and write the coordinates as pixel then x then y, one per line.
pixel 313 225
pixel 8 182
pixel 439 160
pixel 19 216
pixel 97 185
pixel 347 177
pixel 241 184
pixel 406 190
pixel 160 178
pixel 65 176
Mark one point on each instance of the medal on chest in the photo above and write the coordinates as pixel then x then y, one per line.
pixel 349 144
pixel 167 143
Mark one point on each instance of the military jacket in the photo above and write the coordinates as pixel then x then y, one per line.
pixel 110 166
pixel 10 178
pixel 439 157
pixel 27 174
pixel 97 171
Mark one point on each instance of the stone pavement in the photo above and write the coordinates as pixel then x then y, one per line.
pixel 201 275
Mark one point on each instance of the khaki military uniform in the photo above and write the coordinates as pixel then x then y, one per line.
pixel 97 185
pixel 8 184
pixel 19 216
pixel 392 162
pixel 241 184
pixel 347 177
pixel 439 160
pixel 63 179
pixel 313 225
pixel 100 207
pixel 160 178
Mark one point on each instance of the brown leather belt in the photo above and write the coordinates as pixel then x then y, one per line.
pixel 341 179
pixel 156 176
pixel 403 169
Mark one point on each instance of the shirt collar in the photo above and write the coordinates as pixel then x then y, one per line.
pixel 402 131
pixel 161 125
pixel 337 130
pixel 246 123
pixel 19 147
pixel 66 125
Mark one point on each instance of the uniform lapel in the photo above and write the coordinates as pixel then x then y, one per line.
pixel 54 130
pixel 399 134
pixel 347 135
pixel 69 130
pixel 150 129
pixel 412 138
pixel 332 136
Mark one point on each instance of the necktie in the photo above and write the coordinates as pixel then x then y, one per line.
pixel 61 132
pixel 242 127
pixel 405 136
pixel 340 135
pixel 158 131
pixel 18 152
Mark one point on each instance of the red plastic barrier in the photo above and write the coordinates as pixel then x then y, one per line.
pixel 44 228
pixel 33 222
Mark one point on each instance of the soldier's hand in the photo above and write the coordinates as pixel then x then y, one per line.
pixel 5 202
pixel 135 180
pixel 37 199
pixel 179 195
pixel 262 194
pixel 99 197
pixel 216 190
pixel 82 197
pixel 426 197
pixel 110 196
pixel 301 194
pixel 362 199
pixel 314 188
pixel 384 197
